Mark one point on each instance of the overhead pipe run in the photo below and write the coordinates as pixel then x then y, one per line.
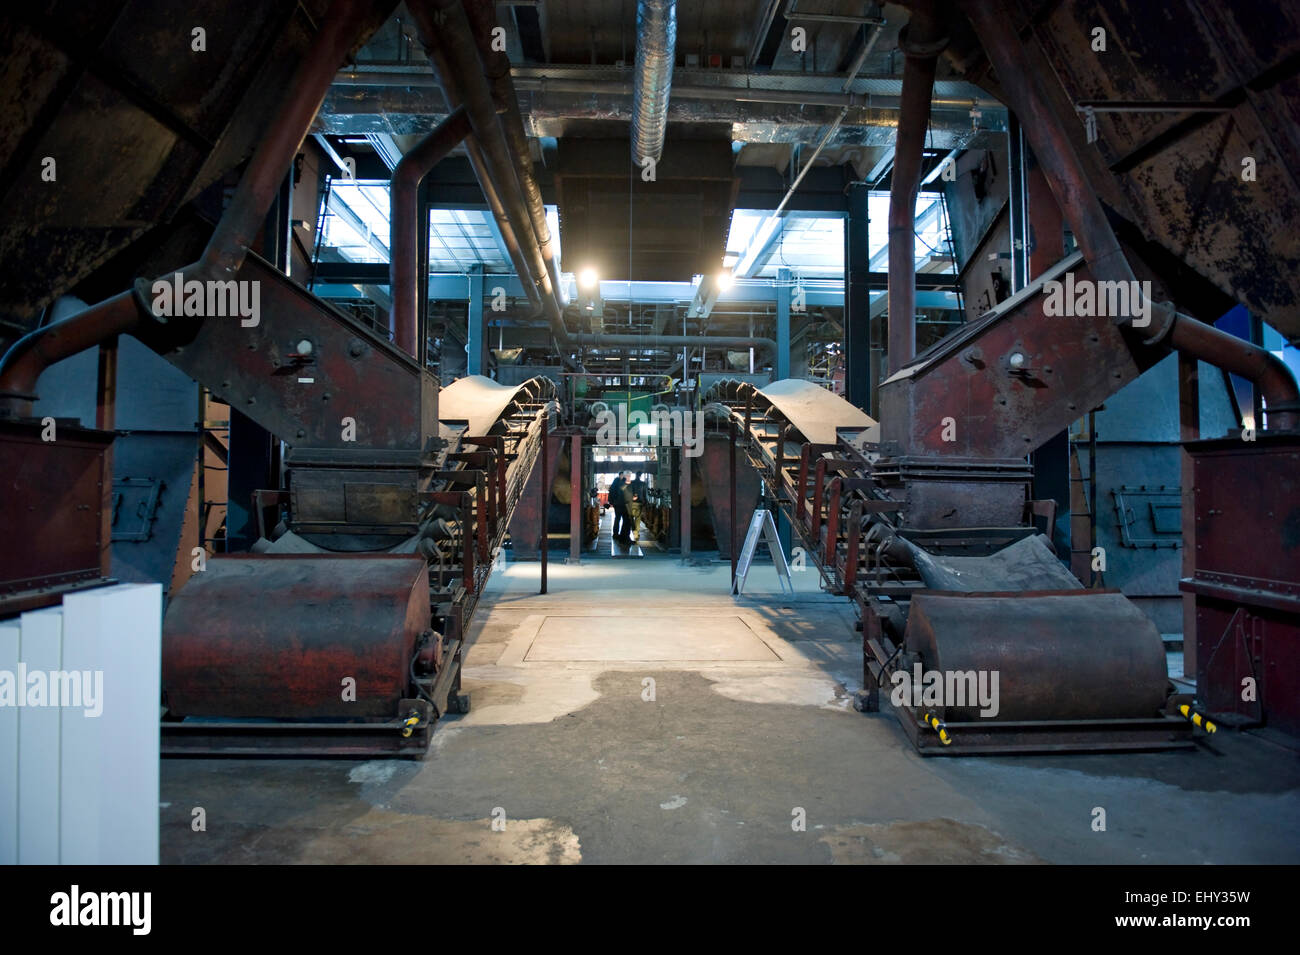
pixel 445 33
pixel 726 86
pixel 483 21
pixel 922 40
pixel 479 165
pixel 508 237
pixel 1061 164
pixel 27 358
pixel 656 52
pixel 404 225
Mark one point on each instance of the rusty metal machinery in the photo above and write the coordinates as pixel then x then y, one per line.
pixel 1075 669
pixel 925 520
pixel 66 534
pixel 325 666
pixel 354 652
pixel 1246 586
pixel 343 635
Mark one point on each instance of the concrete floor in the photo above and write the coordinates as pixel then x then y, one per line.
pixel 747 728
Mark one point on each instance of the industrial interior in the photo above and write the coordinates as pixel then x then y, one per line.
pixel 629 431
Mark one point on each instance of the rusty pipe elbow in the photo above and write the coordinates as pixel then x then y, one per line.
pixel 25 361
pixel 1257 365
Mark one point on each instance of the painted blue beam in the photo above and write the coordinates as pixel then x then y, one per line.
pixel 783 324
pixel 475 358
pixel 456 288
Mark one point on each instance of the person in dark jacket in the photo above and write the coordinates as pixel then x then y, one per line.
pixel 617 503
pixel 635 493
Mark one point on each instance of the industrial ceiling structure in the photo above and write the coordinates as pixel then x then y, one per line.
pixel 971 326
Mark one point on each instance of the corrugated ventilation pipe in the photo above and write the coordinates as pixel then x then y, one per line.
pixel 656 51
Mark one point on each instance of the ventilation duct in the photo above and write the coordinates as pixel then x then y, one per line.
pixel 656 46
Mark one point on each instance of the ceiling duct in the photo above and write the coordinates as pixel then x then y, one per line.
pixel 656 50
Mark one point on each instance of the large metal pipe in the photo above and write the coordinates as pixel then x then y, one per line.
pixel 404 225
pixel 1063 167
pixel 656 52
pixel 451 92
pixel 922 40
pixel 508 237
pixel 1258 365
pixel 448 41
pixel 483 21
pixel 28 357
pixel 445 33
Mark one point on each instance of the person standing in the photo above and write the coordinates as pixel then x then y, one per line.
pixel 635 493
pixel 620 506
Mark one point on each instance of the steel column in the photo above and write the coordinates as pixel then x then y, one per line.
pixel 684 494
pixel 1017 202
pixel 731 492
pixel 475 359
pixel 544 492
pixel 575 499
pixel 858 383
pixel 1189 429
pixel 782 365
pixel 921 40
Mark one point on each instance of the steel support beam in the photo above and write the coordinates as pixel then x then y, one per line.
pixel 1018 201
pixel 706 296
pixel 476 358
pixel 782 369
pixel 760 247
pixel 575 499
pixel 684 502
pixel 858 383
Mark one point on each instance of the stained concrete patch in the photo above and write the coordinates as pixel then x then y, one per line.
pixel 375 771
pixel 800 689
pixel 485 693
pixel 931 842
pixel 517 696
pixel 382 837
pixel 675 803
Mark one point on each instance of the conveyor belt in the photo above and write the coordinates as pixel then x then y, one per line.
pixel 1081 669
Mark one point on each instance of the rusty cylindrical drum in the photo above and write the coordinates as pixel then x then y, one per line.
pixel 1061 656
pixel 277 636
